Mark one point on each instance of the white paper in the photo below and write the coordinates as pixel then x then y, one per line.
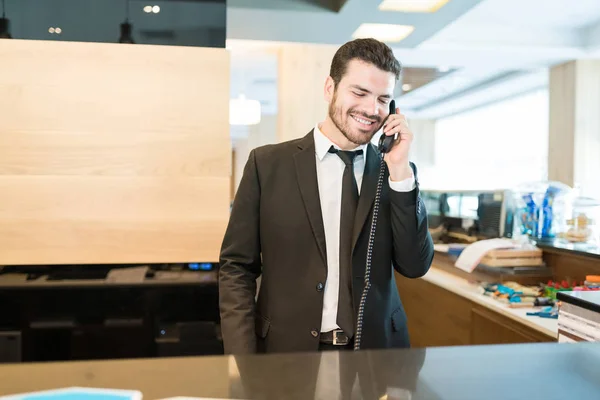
pixel 472 254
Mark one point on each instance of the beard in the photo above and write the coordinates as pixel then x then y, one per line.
pixel 343 122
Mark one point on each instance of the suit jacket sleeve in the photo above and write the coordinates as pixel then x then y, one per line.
pixel 413 245
pixel 240 265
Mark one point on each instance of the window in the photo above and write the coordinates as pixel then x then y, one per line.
pixel 494 147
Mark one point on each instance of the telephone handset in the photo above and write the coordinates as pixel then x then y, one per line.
pixel 385 145
pixel 386 142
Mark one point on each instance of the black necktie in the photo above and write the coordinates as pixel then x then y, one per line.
pixel 345 314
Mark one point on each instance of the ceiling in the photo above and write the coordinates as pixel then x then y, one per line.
pixel 494 49
pixel 177 22
pixel 314 21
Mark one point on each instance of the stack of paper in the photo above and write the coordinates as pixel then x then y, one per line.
pixel 471 256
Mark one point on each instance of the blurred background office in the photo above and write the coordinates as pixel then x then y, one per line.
pixel 126 125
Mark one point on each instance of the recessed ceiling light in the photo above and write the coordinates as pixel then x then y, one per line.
pixel 156 9
pixel 444 69
pixel 148 9
pixel 412 5
pixel 406 87
pixel 383 32
pixel 51 30
pixel 58 30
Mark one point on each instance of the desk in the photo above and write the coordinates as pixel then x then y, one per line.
pixel 527 371
pixel 446 310
pixel 470 291
pixel 166 313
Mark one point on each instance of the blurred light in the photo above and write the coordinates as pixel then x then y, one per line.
pixel 200 266
pixel 148 9
pixel 243 111
pixel 58 30
pixel 156 9
pixel 444 69
pixel 51 30
pixel 406 87
pixel 383 32
pixel 424 6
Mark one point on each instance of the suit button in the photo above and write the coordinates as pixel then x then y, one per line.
pixel 314 333
pixel 320 286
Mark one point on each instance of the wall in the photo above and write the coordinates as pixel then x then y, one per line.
pixel 303 69
pixel 112 153
pixel 574 132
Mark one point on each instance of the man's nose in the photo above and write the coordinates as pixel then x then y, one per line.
pixel 374 107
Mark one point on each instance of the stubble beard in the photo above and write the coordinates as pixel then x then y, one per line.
pixel 356 136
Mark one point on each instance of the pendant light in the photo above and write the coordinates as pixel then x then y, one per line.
pixel 4 24
pixel 126 27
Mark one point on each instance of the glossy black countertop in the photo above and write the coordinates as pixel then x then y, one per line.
pixel 581 249
pixel 528 371
pixel 588 300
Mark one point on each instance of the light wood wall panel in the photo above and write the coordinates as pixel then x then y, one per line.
pixel 574 134
pixel 112 153
pixel 302 71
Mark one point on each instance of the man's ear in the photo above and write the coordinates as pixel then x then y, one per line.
pixel 329 89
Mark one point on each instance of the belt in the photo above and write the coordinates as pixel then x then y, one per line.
pixel 336 337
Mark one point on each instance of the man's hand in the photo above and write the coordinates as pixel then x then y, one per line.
pixel 397 158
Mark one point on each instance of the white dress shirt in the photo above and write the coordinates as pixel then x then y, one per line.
pixel 330 169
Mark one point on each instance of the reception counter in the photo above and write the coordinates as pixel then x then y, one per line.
pixel 523 371
pixel 471 291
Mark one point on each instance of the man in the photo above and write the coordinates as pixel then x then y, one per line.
pixel 301 219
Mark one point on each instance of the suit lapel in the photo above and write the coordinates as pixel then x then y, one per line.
pixel 306 172
pixel 367 192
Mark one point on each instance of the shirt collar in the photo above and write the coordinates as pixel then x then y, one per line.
pixel 322 144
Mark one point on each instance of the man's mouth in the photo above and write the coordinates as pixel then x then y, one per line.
pixel 362 120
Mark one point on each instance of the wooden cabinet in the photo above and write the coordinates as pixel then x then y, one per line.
pixel 489 327
pixel 438 317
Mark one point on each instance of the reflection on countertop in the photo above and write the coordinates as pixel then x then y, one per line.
pixel 526 371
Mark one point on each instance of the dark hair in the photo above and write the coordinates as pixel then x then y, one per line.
pixel 368 50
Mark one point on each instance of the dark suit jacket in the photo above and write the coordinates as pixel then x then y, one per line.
pixel 276 228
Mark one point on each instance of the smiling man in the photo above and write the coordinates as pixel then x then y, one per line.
pixel 301 219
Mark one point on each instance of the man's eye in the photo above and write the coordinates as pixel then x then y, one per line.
pixel 359 94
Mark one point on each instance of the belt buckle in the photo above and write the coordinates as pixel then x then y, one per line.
pixel 339 338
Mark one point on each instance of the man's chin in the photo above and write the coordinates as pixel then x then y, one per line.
pixel 360 138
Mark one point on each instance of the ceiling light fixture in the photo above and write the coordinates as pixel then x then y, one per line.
pixel 406 87
pixel 444 69
pixel 420 6
pixel 4 24
pixel 126 27
pixel 156 9
pixel 148 9
pixel 383 32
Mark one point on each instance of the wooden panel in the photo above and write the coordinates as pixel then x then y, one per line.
pixel 561 145
pixel 303 69
pixel 567 265
pixel 573 145
pixel 113 153
pixel 436 317
pixel 488 327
